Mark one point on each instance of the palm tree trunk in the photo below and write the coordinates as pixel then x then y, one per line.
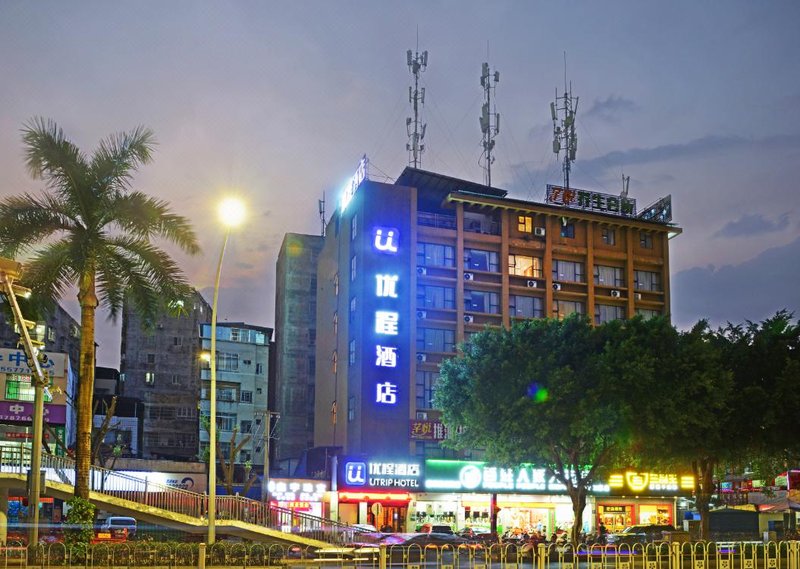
pixel 83 451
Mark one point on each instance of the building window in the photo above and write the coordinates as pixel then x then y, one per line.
pixel 177 341
pixel 227 361
pixel 563 308
pixel 335 361
pixel 436 340
pixel 236 334
pixel 226 422
pixel 645 240
pixel 608 235
pixel 608 276
pixel 353 268
pixel 479 301
pixel 259 369
pixel 51 334
pixel 524 266
pixel 176 379
pixel 524 224
pixel 647 280
pixel 606 313
pixel 184 412
pixel 335 322
pixel 246 397
pixel 431 254
pixel 246 427
pixel 20 388
pixel 336 284
pixel 353 227
pixel 351 409
pixel 525 306
pixel 567 271
pixel 436 296
pixel 151 358
pixel 647 313
pixel 149 378
pixel 425 382
pixel 352 308
pixel 352 352
pixel 480 260
pixel 568 230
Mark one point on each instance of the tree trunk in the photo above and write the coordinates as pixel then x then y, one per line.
pixel 578 497
pixel 703 490
pixel 83 448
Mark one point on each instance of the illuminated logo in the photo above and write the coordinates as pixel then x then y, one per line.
pixel 470 477
pixel 352 185
pixel 355 473
pixel 386 286
pixel 386 356
pixel 637 481
pixel 386 322
pixel 385 239
pixel 386 393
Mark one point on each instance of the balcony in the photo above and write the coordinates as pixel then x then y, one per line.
pixel 437 220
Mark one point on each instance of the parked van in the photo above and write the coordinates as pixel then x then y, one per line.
pixel 120 522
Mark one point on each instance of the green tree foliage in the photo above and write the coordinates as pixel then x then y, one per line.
pixel 79 528
pixel 543 391
pixel 92 231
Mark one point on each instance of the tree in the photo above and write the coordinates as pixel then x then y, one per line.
pixel 93 232
pixel 227 462
pixel 543 391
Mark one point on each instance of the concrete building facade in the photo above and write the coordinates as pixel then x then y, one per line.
pixel 295 344
pixel 161 368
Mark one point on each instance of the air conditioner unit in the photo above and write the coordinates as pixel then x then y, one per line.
pixel 469 277
pixel 638 296
pixel 556 286
pixel 422 358
pixel 422 314
pixel 422 271
pixel 422 415
pixel 532 284
pixel 469 318
pixel 538 231
pixel 616 293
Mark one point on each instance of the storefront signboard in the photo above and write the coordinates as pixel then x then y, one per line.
pixel 632 482
pixel 15 361
pixel 290 490
pixel 424 430
pixel 363 474
pixel 591 201
pixel 22 411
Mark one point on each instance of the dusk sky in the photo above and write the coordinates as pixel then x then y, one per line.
pixel 277 101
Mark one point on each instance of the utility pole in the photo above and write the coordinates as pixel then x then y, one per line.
pixel 9 272
pixel 265 444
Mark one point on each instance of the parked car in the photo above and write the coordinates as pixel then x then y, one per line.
pixel 433 528
pixel 120 522
pixel 639 534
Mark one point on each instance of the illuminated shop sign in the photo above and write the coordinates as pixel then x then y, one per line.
pixel 470 476
pixel 15 361
pixel 590 201
pixel 650 482
pixel 286 490
pixel 351 186
pixel 387 320
pixel 380 474
pixel 427 430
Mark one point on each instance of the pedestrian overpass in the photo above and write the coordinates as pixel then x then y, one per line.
pixel 154 503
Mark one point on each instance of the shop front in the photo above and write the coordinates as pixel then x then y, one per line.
pixel 298 495
pixel 376 492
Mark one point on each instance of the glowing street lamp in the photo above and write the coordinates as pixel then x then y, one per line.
pixel 231 214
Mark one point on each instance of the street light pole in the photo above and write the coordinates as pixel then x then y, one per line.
pixel 231 212
pixel 9 271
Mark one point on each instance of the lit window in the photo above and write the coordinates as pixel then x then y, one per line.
pixel 524 266
pixel 353 227
pixel 335 361
pixel 336 284
pixel 524 224
pixel 353 268
pixel 149 378
pixel 335 322
pixel 352 352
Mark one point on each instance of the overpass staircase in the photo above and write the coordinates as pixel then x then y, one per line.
pixel 175 508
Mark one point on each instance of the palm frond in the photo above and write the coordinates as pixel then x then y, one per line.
pixel 144 216
pixel 53 269
pixel 51 157
pixel 26 220
pixel 119 155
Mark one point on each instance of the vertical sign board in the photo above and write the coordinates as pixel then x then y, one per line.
pixel 384 351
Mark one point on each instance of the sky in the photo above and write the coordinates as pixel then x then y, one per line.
pixel 277 101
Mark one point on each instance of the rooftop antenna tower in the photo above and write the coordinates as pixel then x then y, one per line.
pixel 417 63
pixel 626 181
pixel 564 136
pixel 322 214
pixel 489 120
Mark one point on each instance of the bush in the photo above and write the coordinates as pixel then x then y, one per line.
pixel 79 527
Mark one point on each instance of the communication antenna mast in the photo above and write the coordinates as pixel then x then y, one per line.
pixel 626 180
pixel 489 120
pixel 564 136
pixel 322 214
pixel 417 63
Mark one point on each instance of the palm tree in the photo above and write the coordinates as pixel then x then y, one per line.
pixel 92 231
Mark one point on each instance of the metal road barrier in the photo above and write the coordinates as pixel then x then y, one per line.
pixel 731 555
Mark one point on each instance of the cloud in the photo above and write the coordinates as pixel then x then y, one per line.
pixel 752 290
pixel 753 224
pixel 610 109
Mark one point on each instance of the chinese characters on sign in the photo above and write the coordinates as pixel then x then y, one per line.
pixel 650 481
pixel 427 430
pixel 592 201
pixel 376 474
pixel 387 320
